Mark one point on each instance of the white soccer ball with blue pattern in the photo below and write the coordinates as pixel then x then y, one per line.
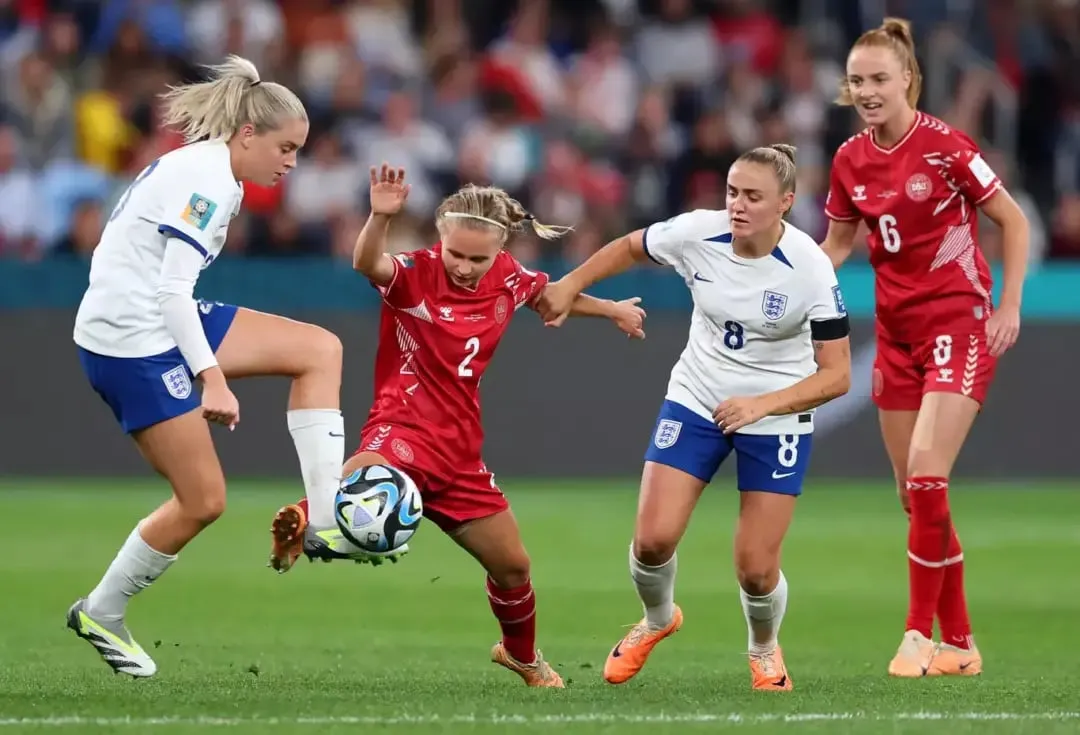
pixel 378 508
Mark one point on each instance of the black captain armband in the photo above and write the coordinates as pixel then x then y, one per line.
pixel 830 329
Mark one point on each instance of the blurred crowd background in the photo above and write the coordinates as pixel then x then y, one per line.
pixel 604 114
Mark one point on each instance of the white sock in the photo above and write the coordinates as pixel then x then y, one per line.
pixel 319 436
pixel 656 588
pixel 764 615
pixel 134 569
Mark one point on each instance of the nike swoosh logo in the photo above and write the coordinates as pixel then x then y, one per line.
pixel 616 653
pixel 339 436
pixel 781 475
pixel 781 681
pixel 963 667
pixel 699 277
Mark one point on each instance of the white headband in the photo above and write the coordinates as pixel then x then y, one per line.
pixel 462 215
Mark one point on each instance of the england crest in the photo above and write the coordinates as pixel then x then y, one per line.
pixel 667 433
pixel 773 305
pixel 177 382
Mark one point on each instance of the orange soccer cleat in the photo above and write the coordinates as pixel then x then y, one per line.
pixel 287 535
pixel 912 659
pixel 537 674
pixel 768 672
pixel 954 661
pixel 630 654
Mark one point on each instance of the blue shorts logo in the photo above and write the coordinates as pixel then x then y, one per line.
pixel 667 433
pixel 177 382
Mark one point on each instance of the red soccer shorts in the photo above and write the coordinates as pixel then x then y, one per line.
pixel 955 360
pixel 454 492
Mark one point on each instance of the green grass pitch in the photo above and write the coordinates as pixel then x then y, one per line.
pixel 341 648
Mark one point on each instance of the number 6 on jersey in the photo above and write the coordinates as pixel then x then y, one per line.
pixel 472 346
pixel 890 236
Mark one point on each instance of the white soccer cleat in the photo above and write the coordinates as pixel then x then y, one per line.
pixel 113 643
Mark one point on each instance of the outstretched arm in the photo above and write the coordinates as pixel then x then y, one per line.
pixel 626 314
pixel 564 298
pixel 614 258
pixel 388 194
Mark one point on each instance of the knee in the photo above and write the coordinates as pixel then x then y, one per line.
pixel 206 508
pixel 325 351
pixel 512 571
pixel 926 463
pixel 757 570
pixel 653 549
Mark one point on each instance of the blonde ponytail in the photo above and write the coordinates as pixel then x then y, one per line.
pixel 233 96
pixel 489 206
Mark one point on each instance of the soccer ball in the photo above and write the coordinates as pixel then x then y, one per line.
pixel 378 508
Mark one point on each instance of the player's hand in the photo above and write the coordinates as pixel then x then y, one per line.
pixel 388 190
pixel 219 405
pixel 735 413
pixel 555 301
pixel 629 317
pixel 1002 329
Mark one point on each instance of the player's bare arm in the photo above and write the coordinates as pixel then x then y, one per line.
pixel 831 380
pixel 1003 327
pixel 625 314
pixel 840 241
pixel 557 300
pixel 388 194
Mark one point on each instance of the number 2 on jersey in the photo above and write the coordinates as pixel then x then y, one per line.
pixel 890 236
pixel 472 346
pixel 127 194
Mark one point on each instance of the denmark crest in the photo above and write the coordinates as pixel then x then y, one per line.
pixel 918 187
pixel 773 305
pixel 501 307
pixel 402 449
pixel 177 382
pixel 667 433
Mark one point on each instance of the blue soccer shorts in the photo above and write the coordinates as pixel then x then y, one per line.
pixel 774 463
pixel 143 391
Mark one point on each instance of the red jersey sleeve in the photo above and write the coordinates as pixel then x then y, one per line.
pixel 406 288
pixel 966 170
pixel 838 204
pixel 526 284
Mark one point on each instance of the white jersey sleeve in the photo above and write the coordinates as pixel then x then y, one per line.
pixel 180 270
pixel 666 242
pixel 169 225
pixel 826 300
pixel 196 210
pixel 191 221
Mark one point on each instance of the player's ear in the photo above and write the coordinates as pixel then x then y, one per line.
pixel 787 201
pixel 246 133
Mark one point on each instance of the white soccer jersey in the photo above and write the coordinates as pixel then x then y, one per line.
pixel 190 195
pixel 750 329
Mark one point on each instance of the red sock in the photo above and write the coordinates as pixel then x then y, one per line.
pixel 928 545
pixel 952 607
pixel 515 609
pixel 303 506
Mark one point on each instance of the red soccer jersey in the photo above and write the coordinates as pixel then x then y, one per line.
pixel 918 199
pixel 435 341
